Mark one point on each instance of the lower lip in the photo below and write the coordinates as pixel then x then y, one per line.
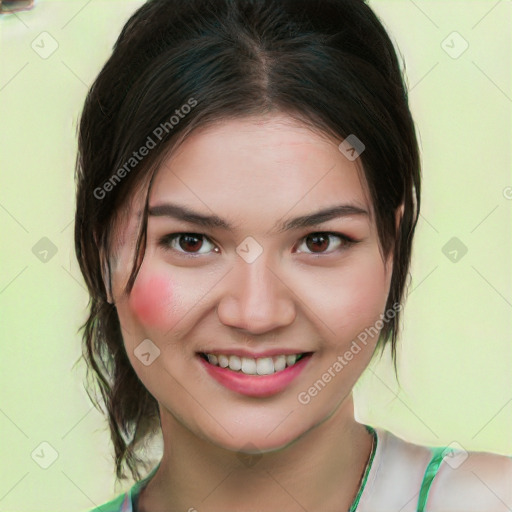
pixel 255 385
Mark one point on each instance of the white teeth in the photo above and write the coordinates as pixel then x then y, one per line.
pixel 223 361
pixel 250 366
pixel 235 363
pixel 279 363
pixel 265 366
pixel 290 359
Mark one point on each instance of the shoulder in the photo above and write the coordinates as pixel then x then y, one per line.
pixel 411 477
pixel 473 481
pixel 395 476
pixel 400 463
pixel 127 501
pixel 120 504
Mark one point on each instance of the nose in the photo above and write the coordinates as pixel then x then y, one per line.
pixel 255 297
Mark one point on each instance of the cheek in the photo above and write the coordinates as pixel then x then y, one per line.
pixel 370 293
pixel 151 300
pixel 359 298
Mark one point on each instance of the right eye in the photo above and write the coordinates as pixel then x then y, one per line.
pixel 184 243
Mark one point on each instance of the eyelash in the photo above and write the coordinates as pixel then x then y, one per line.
pixel 166 240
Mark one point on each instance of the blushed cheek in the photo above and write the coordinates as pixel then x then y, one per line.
pixel 151 300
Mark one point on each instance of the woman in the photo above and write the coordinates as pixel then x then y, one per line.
pixel 248 186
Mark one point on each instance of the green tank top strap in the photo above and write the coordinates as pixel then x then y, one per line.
pixel 369 465
pixel 438 455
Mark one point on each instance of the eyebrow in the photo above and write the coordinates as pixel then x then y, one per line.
pixel 185 214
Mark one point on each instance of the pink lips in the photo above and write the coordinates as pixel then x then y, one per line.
pixel 255 385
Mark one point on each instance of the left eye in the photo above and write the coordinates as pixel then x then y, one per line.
pixel 323 240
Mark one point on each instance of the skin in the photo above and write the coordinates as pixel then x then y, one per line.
pixel 254 172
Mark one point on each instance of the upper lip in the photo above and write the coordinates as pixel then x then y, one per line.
pixel 240 352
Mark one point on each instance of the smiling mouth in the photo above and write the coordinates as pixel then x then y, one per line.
pixel 250 366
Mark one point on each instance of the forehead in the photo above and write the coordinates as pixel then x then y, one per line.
pixel 272 159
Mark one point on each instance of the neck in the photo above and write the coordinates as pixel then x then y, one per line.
pixel 321 470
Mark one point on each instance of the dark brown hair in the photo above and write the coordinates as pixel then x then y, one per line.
pixel 328 63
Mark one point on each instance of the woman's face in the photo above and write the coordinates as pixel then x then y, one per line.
pixel 251 281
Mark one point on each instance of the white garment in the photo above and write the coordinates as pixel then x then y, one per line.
pixel 480 482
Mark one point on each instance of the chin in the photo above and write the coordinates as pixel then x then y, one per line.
pixel 251 437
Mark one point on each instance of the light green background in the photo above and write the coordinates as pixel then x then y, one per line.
pixel 455 351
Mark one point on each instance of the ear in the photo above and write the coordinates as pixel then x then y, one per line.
pixel 105 269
